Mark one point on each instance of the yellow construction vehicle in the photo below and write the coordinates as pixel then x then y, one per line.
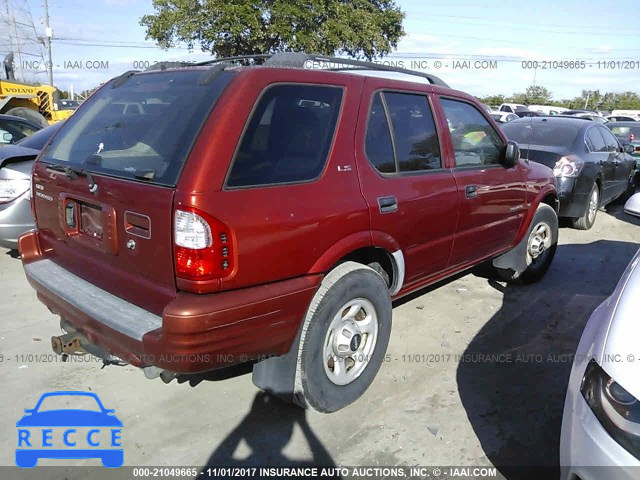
pixel 36 103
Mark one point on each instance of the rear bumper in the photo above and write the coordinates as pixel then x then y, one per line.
pixel 196 333
pixel 15 219
pixel 573 202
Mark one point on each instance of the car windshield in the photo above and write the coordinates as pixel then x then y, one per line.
pixel 521 108
pixel 39 139
pixel 542 133
pixel 496 116
pixel 69 402
pixel 623 131
pixel 141 127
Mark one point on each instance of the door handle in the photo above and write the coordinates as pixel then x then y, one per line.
pixel 387 204
pixel 471 191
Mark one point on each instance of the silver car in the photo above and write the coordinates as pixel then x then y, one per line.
pixel 600 436
pixel 16 162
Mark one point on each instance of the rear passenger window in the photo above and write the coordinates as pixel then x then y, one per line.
pixel 475 142
pixel 288 136
pixel 595 140
pixel 415 145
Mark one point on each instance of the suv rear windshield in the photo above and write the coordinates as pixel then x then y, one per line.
pixel 552 134
pixel 141 129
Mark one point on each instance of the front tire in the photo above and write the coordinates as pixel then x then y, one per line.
pixel 586 221
pixel 542 242
pixel 344 337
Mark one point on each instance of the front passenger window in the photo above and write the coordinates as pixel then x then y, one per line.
pixel 609 139
pixel 475 142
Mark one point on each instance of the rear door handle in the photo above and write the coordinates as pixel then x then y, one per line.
pixel 470 191
pixel 387 204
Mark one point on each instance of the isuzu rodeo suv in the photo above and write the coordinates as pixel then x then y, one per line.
pixel 192 217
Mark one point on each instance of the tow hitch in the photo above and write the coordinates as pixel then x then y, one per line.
pixel 67 344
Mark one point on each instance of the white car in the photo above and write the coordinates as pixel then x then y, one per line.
pixel 503 117
pixel 600 436
pixel 513 107
pixel 621 118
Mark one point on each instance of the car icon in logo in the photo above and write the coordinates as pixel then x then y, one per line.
pixel 48 431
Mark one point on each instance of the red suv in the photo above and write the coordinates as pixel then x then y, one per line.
pixel 197 217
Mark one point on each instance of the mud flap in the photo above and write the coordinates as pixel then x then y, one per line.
pixel 277 375
pixel 515 259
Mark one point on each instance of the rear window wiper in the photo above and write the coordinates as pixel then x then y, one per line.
pixel 73 173
pixel 144 174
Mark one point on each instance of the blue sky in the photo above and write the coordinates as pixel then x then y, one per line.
pixel 508 32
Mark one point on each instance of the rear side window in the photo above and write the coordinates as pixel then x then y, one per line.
pixel 475 142
pixel 415 146
pixel 288 136
pixel 141 128
pixel 594 140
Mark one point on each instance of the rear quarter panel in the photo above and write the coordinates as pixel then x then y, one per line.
pixel 280 231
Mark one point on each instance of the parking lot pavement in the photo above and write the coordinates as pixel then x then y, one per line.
pixel 438 400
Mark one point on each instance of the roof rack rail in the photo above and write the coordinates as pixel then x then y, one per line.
pixel 294 59
pixel 298 60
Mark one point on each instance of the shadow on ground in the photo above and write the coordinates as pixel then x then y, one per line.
pixel 513 379
pixel 260 439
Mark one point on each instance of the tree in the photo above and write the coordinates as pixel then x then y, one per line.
pixel 537 95
pixel 533 95
pixel 358 28
pixel 494 100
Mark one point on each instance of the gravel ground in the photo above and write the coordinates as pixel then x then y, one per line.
pixel 476 375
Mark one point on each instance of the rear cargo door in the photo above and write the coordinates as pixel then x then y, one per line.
pixel 104 186
pixel 118 238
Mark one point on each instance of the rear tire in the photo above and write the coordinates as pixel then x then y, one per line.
pixel 586 221
pixel 344 337
pixel 30 115
pixel 542 242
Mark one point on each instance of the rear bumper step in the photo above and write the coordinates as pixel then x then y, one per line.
pixel 111 311
pixel 196 333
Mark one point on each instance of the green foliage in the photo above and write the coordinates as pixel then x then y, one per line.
pixel 539 95
pixel 358 28
pixel 495 100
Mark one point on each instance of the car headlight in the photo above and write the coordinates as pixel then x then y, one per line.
pixel 616 409
pixel 568 167
pixel 11 189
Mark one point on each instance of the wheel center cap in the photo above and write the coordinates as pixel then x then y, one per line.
pixel 355 342
pixel 347 340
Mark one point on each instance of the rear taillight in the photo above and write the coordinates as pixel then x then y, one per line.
pixel 10 189
pixel 203 247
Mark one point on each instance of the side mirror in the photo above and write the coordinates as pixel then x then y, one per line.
pixel 632 207
pixel 628 148
pixel 6 137
pixel 511 154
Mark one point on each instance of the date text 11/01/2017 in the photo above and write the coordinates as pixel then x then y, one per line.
pixel 580 65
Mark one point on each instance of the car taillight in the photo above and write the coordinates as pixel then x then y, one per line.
pixel 631 137
pixel 568 166
pixel 10 189
pixel 203 247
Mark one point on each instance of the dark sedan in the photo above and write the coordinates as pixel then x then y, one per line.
pixel 627 132
pixel 13 129
pixel 591 167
